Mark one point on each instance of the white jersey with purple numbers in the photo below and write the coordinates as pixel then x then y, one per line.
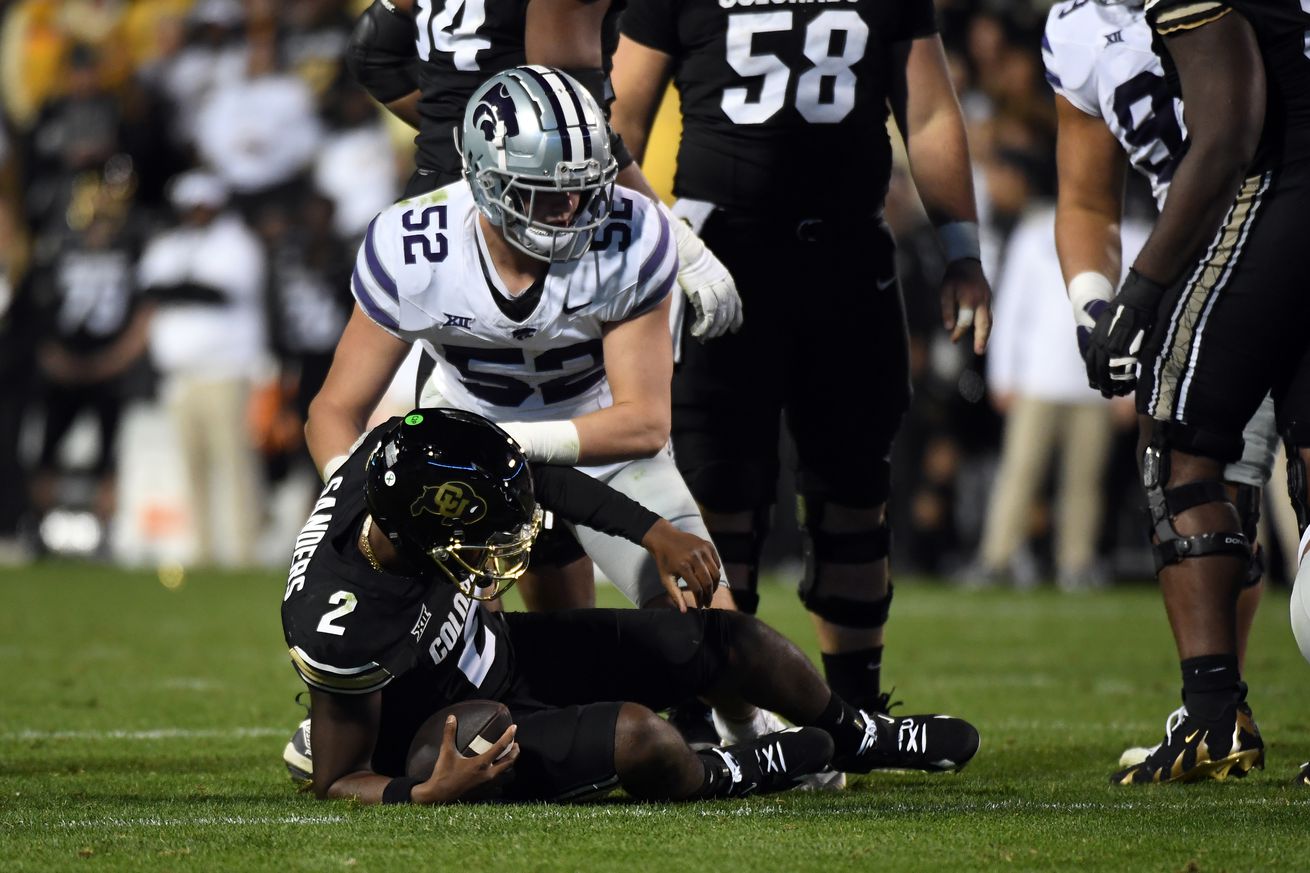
pixel 1099 58
pixel 424 274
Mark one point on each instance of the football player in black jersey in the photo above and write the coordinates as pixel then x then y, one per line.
pixel 783 168
pixel 386 617
pixel 1215 308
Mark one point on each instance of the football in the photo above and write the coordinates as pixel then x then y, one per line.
pixel 478 724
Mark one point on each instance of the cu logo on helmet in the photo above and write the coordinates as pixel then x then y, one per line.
pixel 452 501
pixel 494 115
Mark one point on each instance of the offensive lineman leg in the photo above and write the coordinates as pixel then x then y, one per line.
pixel 1247 500
pixel 739 537
pixel 1202 557
pixel 847 591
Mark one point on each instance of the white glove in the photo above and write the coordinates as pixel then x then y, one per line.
pixel 708 285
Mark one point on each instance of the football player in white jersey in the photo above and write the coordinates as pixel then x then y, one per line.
pixel 542 290
pixel 1114 109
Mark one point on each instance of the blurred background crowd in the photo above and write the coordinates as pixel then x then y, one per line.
pixel 183 184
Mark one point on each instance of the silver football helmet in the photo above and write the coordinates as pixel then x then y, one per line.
pixel 531 130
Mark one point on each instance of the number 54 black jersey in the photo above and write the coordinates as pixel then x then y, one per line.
pixel 784 102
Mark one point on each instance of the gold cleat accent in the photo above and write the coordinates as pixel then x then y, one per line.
pixel 1193 762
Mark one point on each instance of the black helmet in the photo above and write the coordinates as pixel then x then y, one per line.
pixel 449 486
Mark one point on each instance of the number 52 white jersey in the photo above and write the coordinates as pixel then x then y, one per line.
pixel 424 274
pixel 1099 58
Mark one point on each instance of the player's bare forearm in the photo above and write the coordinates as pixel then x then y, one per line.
pixel 1091 167
pixel 330 430
pixel 1223 85
pixel 939 164
pixel 928 114
pixel 640 76
pixel 923 101
pixel 1087 241
pixel 639 367
pixel 622 432
pixel 365 362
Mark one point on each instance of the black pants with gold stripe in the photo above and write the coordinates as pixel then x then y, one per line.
pixel 1238 324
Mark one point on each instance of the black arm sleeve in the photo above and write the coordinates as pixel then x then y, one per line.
pixel 619 149
pixel 580 499
pixel 383 56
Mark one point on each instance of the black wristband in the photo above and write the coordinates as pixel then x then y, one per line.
pixel 398 789
pixel 619 151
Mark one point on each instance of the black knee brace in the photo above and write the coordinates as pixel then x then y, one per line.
pixel 854 547
pixel 745 548
pixel 1166 503
pixel 1248 510
pixel 1296 481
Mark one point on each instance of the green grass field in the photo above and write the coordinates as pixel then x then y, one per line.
pixel 142 729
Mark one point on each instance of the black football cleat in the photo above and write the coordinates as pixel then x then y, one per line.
pixel 1303 778
pixel 932 743
pixel 298 756
pixel 883 703
pixel 775 762
pixel 1194 750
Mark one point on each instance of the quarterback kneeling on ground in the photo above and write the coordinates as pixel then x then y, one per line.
pixel 389 620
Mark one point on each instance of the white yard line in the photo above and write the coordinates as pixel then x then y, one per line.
pixel 161 822
pixel 151 734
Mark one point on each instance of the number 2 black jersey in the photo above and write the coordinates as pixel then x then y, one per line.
pixel 352 630
pixel 1282 29
pixel 462 43
pixel 784 103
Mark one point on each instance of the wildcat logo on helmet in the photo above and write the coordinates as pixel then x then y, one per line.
pixel 454 501
pixel 494 115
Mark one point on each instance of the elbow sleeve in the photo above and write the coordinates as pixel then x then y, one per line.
pixel 383 54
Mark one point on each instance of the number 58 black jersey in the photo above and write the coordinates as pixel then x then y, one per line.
pixel 784 102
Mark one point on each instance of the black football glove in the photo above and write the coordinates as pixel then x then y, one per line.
pixel 1121 327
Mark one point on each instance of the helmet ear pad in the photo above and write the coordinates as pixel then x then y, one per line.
pixel 449 487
